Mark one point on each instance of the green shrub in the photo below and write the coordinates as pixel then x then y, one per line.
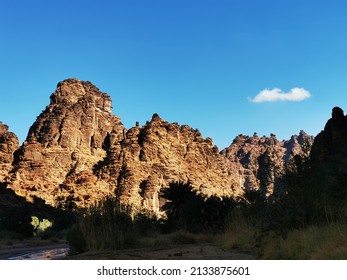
pixel 40 226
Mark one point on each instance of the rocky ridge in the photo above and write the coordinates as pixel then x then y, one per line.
pixel 259 162
pixel 78 152
pixel 160 152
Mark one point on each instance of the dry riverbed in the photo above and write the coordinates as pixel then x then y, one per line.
pixel 178 252
pixel 33 249
pixel 46 249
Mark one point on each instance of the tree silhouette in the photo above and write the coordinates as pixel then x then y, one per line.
pixel 186 209
pixel 183 205
pixel 215 211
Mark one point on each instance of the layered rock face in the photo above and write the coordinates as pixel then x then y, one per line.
pixel 148 158
pixel 260 162
pixel 158 153
pixel 78 152
pixel 67 139
pixel 8 145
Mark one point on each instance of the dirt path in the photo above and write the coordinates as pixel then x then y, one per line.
pixel 180 252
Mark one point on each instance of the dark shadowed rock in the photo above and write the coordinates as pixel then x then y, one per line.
pixel 332 141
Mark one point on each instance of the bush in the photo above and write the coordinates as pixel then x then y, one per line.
pixel 147 223
pixel 317 191
pixel 40 226
pixel 105 225
pixel 76 240
pixel 241 232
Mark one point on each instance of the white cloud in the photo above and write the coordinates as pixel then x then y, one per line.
pixel 276 94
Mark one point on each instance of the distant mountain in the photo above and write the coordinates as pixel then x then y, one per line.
pixel 259 162
pixel 78 152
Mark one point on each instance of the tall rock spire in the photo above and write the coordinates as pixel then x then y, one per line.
pixel 67 138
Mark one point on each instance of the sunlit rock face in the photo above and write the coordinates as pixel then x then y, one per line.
pixel 66 141
pixel 77 152
pixel 8 145
pixel 160 152
pixel 260 161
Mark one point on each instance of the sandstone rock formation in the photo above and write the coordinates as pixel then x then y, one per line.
pixel 67 139
pixel 8 145
pixel 78 152
pixel 158 153
pixel 259 162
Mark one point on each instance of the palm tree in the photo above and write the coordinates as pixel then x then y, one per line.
pixel 176 195
pixel 183 205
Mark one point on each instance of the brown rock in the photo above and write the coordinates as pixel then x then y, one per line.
pixel 77 152
pixel 8 145
pixel 70 136
pixel 159 153
pixel 260 162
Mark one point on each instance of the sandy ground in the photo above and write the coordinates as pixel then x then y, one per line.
pixel 180 252
pixel 45 249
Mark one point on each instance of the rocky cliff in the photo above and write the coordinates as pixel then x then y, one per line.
pixel 68 138
pixel 78 152
pixel 331 142
pixel 259 162
pixel 8 145
pixel 160 152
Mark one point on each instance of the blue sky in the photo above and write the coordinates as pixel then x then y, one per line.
pixel 200 63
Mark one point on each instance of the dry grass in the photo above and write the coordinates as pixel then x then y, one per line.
pixel 325 242
pixel 175 238
pixel 241 234
pixel 109 225
pixel 316 242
